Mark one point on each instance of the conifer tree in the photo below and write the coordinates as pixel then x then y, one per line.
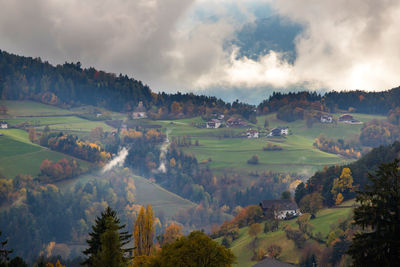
pixel 110 253
pixel 100 227
pixel 379 217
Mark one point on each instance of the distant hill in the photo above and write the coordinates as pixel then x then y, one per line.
pixel 23 78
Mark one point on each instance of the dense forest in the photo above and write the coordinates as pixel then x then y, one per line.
pixel 71 85
pixel 350 101
pixel 323 182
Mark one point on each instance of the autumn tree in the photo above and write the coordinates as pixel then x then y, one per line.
pixel 274 251
pixel 143 230
pixel 254 230
pixel 342 186
pixel 196 250
pixel 107 219
pixel 379 216
pixel 32 134
pixel 311 203
pixel 171 233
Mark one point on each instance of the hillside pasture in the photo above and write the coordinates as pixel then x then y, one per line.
pixel 19 156
pixel 230 152
pixel 324 219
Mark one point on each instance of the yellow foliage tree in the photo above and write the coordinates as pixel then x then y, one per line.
pixel 339 199
pixel 343 184
pixel 58 264
pixel 32 134
pixel 144 232
pixel 171 233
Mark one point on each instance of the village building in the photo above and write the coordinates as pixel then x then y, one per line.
pixel 3 125
pixel 279 131
pixel 346 118
pixel 252 133
pixel 326 118
pixel 139 112
pixel 213 124
pixel 281 208
pixel 235 122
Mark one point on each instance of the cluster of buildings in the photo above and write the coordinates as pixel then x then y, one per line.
pixel 345 118
pixel 218 121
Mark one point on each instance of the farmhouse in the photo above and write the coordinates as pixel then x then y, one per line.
pixel 252 133
pixel 139 112
pixel 214 124
pixel 346 118
pixel 326 118
pixel 279 131
pixel 235 122
pixel 3 125
pixel 281 208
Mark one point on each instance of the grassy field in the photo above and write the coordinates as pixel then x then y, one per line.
pixel 30 108
pixel 298 154
pixel 19 156
pixel 39 115
pixel 326 217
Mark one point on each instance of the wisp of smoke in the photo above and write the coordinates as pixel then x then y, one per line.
pixel 164 149
pixel 117 161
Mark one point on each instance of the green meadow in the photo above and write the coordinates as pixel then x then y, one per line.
pixel 298 154
pixel 19 156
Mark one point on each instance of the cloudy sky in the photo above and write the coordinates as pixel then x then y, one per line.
pixel 201 45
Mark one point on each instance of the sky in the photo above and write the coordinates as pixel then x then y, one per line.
pixel 188 45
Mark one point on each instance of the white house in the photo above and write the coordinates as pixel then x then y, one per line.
pixel 252 133
pixel 279 131
pixel 281 208
pixel 326 118
pixel 214 124
pixel 3 125
pixel 139 112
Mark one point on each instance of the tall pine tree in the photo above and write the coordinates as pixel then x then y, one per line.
pixel 379 217
pixel 106 223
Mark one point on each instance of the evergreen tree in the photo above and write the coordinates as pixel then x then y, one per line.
pixel 4 252
pixel 110 253
pixel 101 227
pixel 379 217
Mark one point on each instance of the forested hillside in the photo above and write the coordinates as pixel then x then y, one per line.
pixel 71 85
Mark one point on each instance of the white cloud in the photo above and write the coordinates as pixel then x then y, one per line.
pixel 178 44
